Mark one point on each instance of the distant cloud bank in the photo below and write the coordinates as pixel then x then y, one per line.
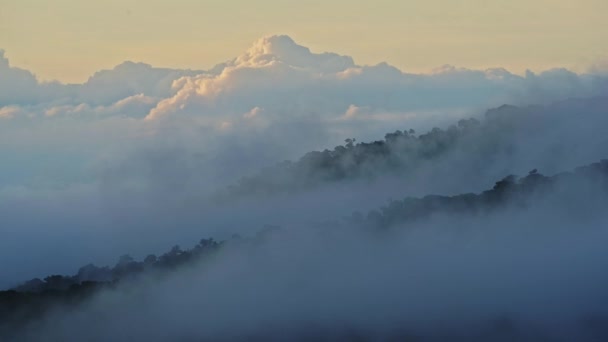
pixel 285 79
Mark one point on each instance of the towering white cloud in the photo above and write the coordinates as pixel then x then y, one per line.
pixel 282 49
pixel 287 79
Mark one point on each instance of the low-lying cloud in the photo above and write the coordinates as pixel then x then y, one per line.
pixel 533 273
pixel 115 161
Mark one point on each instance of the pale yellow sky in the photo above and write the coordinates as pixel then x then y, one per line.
pixel 68 40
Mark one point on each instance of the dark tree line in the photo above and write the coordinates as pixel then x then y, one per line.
pixel 33 298
pixel 124 268
pixel 509 191
pixel 396 154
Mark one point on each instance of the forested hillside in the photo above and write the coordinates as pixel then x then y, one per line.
pixel 30 301
pixel 506 132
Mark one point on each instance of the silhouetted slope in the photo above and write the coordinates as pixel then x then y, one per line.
pixel 499 134
pixel 35 297
pixel 510 192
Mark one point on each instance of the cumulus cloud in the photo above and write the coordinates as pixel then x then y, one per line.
pixel 129 79
pixel 287 79
pixel 282 49
pixel 21 87
pixel 16 85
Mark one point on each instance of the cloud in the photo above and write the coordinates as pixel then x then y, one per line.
pixel 20 87
pixel 284 77
pixel 287 79
pixel 253 113
pixel 351 112
pixel 9 112
pixel 16 85
pixel 136 185
pixel 276 91
pixel 128 79
pixel 132 145
pixel 282 49
pixel 534 273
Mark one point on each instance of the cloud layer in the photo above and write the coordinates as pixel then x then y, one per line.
pixel 285 78
pixel 533 273
pixel 275 89
pixel 128 152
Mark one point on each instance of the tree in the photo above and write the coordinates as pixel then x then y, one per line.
pixel 150 259
pixel 124 260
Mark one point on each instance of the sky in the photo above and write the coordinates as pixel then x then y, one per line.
pixel 68 40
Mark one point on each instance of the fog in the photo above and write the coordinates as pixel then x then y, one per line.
pixel 533 273
pixel 138 159
pixel 160 188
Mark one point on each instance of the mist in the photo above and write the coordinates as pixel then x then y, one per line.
pixel 135 197
pixel 139 158
pixel 532 272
